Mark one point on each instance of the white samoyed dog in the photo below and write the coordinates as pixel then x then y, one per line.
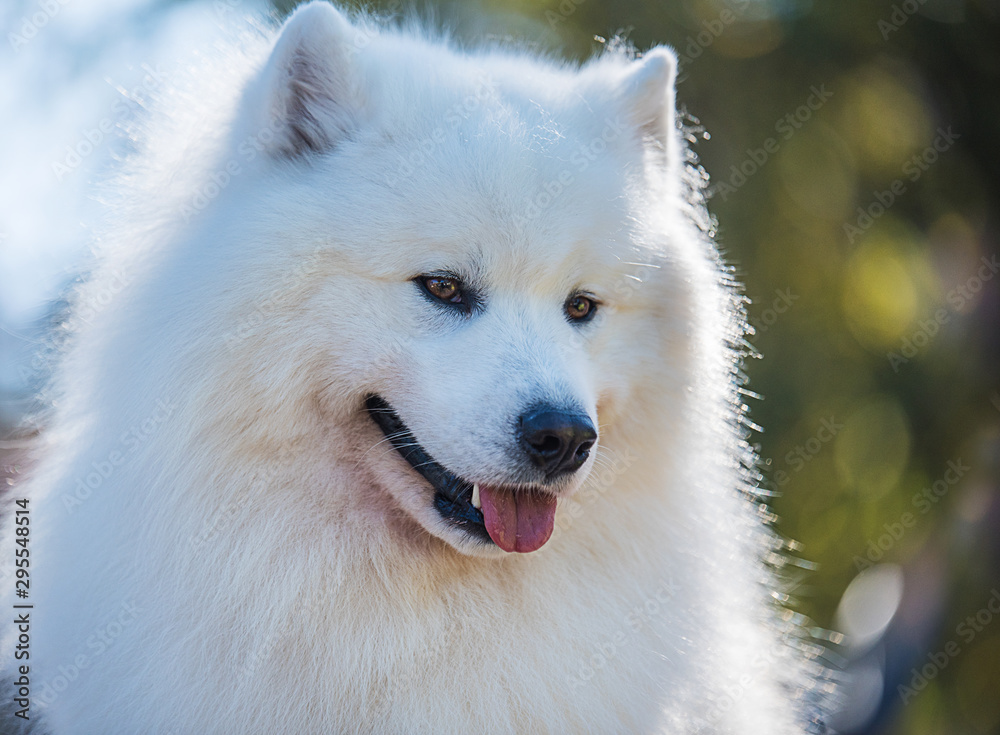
pixel 404 397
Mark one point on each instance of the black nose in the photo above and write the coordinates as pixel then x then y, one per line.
pixel 557 441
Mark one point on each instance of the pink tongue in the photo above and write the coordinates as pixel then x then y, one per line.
pixel 517 521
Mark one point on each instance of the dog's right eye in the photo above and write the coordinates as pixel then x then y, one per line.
pixel 443 288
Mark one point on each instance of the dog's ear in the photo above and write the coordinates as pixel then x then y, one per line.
pixel 310 94
pixel 648 90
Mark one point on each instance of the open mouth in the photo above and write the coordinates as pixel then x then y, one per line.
pixel 513 519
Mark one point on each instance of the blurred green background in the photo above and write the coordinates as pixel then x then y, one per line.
pixel 854 155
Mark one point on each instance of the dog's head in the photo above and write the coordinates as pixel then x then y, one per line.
pixel 487 223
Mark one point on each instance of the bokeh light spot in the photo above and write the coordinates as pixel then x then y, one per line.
pixel 872 449
pixel 879 296
pixel 885 116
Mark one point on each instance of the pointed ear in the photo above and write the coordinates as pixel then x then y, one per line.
pixel 310 96
pixel 649 94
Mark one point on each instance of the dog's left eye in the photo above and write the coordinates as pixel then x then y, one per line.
pixel 580 308
pixel 443 288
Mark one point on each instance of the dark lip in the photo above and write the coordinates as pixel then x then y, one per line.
pixel 452 494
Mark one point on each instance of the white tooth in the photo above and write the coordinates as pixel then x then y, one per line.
pixel 475 496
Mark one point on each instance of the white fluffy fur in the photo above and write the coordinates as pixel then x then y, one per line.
pixel 288 572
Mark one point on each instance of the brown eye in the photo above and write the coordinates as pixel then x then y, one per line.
pixel 444 288
pixel 580 308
